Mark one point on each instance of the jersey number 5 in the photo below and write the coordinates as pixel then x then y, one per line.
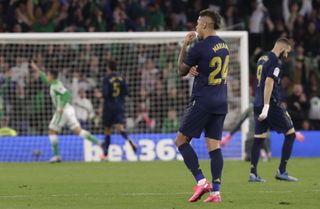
pixel 217 61
pixel 116 89
pixel 259 72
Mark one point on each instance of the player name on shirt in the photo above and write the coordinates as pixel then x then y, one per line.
pixel 220 46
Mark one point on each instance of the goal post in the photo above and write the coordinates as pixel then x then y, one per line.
pixel 147 60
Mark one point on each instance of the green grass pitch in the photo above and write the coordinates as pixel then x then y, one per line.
pixel 152 185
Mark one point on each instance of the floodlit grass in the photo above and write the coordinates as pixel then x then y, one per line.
pixel 152 185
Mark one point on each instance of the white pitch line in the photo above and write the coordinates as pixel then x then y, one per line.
pixel 141 194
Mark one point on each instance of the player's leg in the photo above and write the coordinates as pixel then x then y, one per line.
pixel 287 149
pixel 192 125
pixel 108 119
pixel 55 126
pixel 265 149
pixel 282 123
pixel 54 143
pixel 190 157
pixel 72 122
pixel 213 133
pixel 255 155
pixel 216 162
pixel 120 128
pixel 260 130
pixel 107 141
pixel 85 135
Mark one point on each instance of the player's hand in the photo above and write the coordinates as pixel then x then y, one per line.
pixel 194 71
pixel 264 112
pixel 34 66
pixel 189 38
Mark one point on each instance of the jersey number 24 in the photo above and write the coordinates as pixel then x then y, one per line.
pixel 217 61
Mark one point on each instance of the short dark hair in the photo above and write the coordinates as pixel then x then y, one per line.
pixel 283 40
pixel 54 73
pixel 216 18
pixel 112 65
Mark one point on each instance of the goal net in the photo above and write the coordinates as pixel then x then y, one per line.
pixel 148 62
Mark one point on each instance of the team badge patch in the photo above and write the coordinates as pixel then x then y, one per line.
pixel 276 72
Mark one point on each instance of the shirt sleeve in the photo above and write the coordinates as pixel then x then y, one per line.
pixel 43 78
pixel 273 71
pixel 65 98
pixel 192 58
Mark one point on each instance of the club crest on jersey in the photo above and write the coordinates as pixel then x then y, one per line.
pixel 276 72
pixel 61 89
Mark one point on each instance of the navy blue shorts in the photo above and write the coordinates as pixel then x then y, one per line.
pixel 111 117
pixel 196 120
pixel 278 119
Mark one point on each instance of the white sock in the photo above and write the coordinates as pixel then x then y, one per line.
pixel 214 193
pixel 83 133
pixel 202 181
pixel 53 139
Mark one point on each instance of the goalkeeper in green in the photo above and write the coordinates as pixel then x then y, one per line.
pixel 64 113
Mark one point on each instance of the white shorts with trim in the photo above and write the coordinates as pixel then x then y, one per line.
pixel 67 118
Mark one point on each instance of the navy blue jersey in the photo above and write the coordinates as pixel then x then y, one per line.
pixel 114 91
pixel 211 55
pixel 267 66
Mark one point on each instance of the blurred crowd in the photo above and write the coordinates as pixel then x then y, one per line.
pixel 153 80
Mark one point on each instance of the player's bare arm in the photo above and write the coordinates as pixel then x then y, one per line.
pixel 34 66
pixel 267 95
pixel 184 69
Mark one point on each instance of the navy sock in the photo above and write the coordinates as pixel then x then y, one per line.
pixel 191 160
pixel 106 144
pixel 255 154
pixel 124 135
pixel 286 151
pixel 216 168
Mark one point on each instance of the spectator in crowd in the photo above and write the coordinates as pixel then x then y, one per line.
pixel 313 87
pixel 20 71
pixel 301 72
pixel 5 130
pixel 311 40
pixel 94 72
pixel 7 88
pixel 98 23
pixel 284 91
pixel 149 76
pixel 121 21
pixel 84 109
pixel 257 21
pixel 169 76
pixel 39 104
pixel 154 17
pixel 19 112
pixel 171 122
pixel 298 106
pixel 314 113
pixel 142 120
pixel 97 103
pixel 81 81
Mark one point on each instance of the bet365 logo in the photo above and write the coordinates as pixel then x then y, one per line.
pixel 148 150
